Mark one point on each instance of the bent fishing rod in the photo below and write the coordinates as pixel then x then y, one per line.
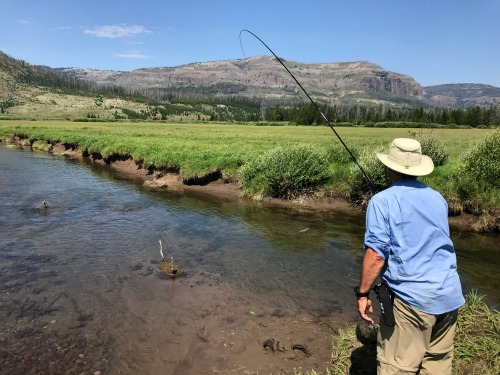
pixel 313 102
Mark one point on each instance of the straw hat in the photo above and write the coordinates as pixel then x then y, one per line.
pixel 405 156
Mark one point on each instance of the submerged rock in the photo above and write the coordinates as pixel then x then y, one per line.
pixel 171 269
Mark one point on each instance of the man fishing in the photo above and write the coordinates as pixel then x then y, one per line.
pixel 407 242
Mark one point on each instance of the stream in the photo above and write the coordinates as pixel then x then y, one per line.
pixel 81 290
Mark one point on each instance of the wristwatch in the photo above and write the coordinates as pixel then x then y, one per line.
pixel 359 294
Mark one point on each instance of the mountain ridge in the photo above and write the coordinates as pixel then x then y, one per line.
pixel 263 77
pixel 356 82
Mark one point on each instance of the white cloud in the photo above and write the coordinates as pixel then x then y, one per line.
pixel 133 55
pixel 116 31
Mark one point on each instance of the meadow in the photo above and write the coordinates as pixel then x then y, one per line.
pixel 198 148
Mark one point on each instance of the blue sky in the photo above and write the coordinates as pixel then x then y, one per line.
pixel 433 41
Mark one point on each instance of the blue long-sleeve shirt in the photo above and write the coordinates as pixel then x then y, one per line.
pixel 407 224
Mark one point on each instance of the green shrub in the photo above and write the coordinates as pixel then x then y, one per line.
pixel 406 124
pixel 477 180
pixel 339 155
pixel 432 146
pixel 360 187
pixel 435 149
pixel 481 162
pixel 286 172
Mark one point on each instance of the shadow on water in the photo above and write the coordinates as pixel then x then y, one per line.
pixel 81 289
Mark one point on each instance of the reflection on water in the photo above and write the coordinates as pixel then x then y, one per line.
pixel 79 275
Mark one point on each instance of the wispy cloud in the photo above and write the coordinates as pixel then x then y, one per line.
pixel 116 31
pixel 24 22
pixel 133 55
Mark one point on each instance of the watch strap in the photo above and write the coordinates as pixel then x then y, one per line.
pixel 359 294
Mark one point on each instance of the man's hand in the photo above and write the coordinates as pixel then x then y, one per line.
pixel 365 307
pixel 372 265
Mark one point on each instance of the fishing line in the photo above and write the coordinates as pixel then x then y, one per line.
pixel 313 102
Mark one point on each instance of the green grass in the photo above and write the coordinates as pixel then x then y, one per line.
pixel 477 343
pixel 203 147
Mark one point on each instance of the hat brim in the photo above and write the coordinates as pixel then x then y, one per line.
pixel 426 166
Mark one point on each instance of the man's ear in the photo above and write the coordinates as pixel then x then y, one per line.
pixel 391 173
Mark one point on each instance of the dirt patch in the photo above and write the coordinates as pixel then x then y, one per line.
pixel 195 325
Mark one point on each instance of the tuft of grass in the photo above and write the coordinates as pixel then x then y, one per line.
pixel 477 343
pixel 42 146
pixel 343 344
pixel 477 339
pixel 312 372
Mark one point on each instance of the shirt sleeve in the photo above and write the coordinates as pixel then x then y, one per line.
pixel 377 234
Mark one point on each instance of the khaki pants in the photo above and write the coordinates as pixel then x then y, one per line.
pixel 419 343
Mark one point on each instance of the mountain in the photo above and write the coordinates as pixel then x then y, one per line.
pixel 262 77
pixel 463 95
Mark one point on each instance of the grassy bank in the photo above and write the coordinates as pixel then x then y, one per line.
pixel 196 149
pixel 477 344
pixel 201 147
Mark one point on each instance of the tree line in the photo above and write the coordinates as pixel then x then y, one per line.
pixel 307 114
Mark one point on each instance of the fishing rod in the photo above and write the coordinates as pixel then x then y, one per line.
pixel 314 103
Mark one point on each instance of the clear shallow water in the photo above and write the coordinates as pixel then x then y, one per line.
pixel 82 275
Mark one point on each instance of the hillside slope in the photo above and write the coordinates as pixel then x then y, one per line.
pixel 463 95
pixel 39 92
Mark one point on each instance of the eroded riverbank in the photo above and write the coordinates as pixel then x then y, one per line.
pixel 214 184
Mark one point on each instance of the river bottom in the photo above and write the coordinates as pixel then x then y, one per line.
pixel 150 324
